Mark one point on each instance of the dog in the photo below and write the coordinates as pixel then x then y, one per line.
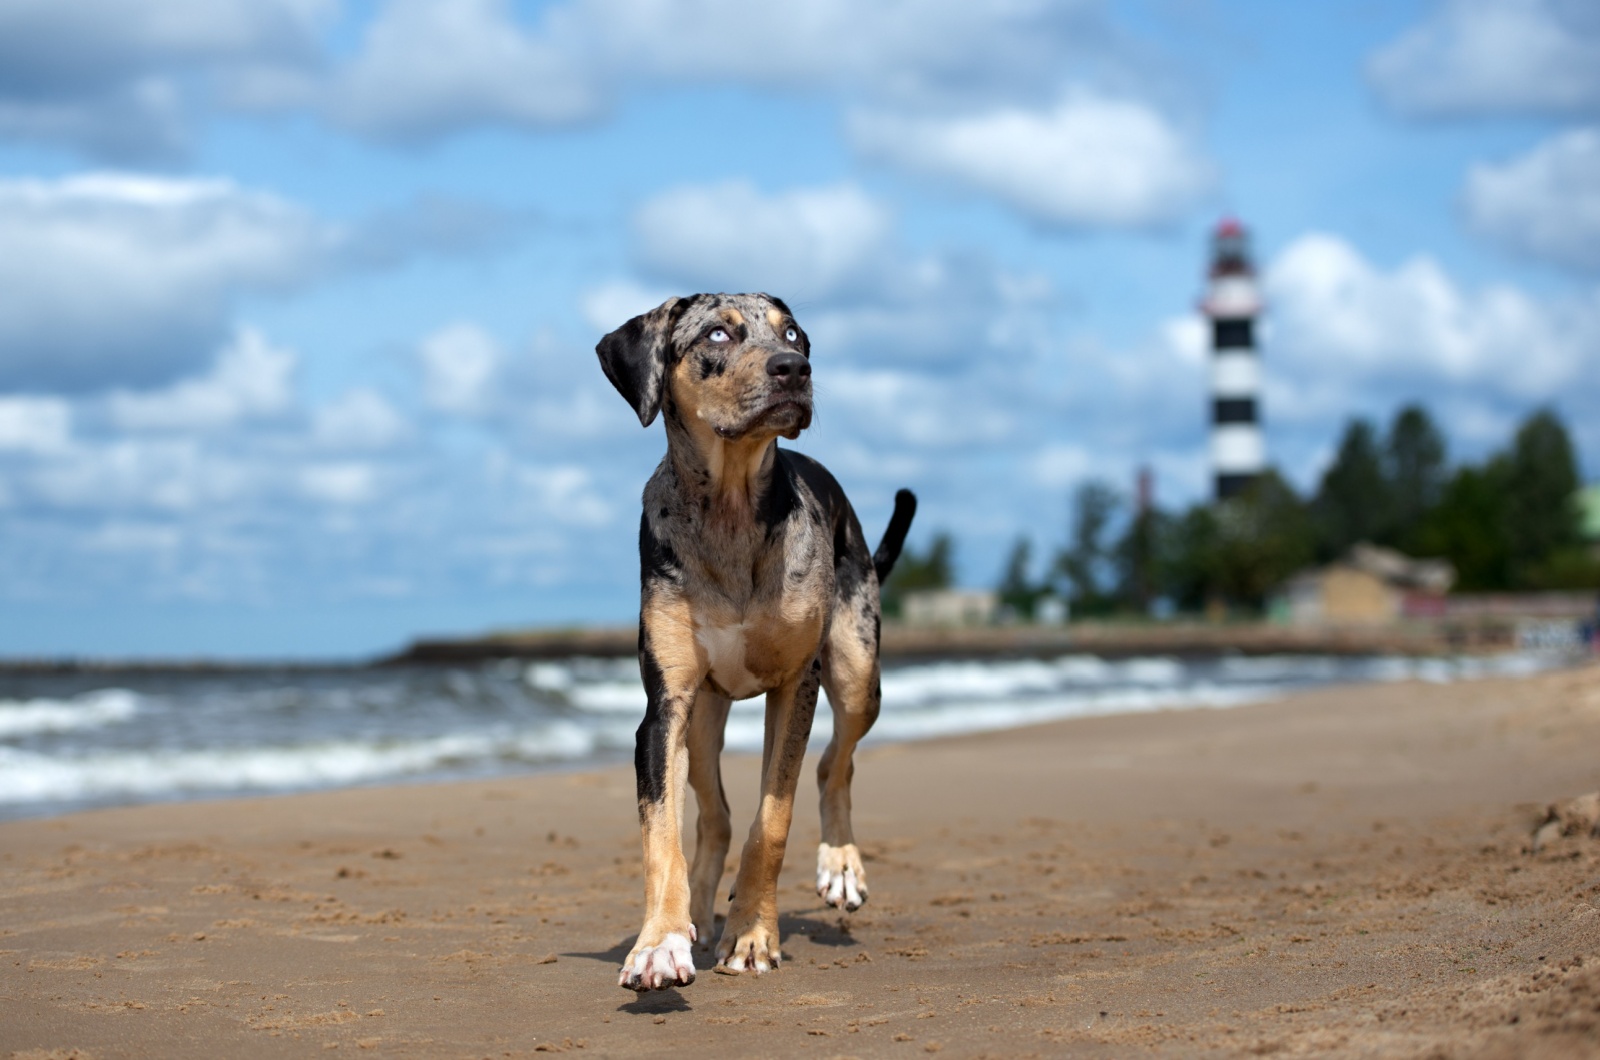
pixel 755 578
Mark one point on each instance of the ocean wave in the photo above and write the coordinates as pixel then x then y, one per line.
pixel 258 734
pixel 615 688
pixel 91 710
pixel 29 777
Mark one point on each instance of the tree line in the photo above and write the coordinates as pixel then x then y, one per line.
pixel 1509 522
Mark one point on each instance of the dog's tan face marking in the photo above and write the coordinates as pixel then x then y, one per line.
pixel 719 377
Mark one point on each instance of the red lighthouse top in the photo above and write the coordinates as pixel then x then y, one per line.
pixel 1231 292
pixel 1230 250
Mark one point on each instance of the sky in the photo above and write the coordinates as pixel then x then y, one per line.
pixel 298 298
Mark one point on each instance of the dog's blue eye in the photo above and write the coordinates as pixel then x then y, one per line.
pixel 719 335
pixel 792 335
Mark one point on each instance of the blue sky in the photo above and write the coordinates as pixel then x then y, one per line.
pixel 300 296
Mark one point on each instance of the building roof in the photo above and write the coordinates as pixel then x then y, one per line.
pixel 1395 569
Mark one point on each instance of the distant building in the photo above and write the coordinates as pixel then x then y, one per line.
pixel 1369 586
pixel 1589 515
pixel 1051 610
pixel 1238 453
pixel 950 607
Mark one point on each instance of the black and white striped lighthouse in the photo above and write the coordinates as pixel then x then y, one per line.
pixel 1238 453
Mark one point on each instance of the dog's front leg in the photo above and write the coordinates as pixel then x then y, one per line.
pixel 750 936
pixel 672 673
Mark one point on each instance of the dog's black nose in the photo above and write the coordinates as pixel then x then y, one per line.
pixel 790 369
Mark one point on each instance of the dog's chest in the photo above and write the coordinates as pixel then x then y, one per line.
pixel 728 668
pixel 761 649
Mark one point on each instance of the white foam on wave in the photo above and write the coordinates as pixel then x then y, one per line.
pixel 617 690
pixel 27 777
pixel 949 698
pixel 91 710
pixel 957 717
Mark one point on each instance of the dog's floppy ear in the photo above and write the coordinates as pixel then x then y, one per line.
pixel 635 358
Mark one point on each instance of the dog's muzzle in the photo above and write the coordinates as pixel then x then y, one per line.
pixel 789 370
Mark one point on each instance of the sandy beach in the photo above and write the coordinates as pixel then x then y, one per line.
pixel 1346 872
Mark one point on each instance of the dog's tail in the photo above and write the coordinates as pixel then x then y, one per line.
pixel 894 538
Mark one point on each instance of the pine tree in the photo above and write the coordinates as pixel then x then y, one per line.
pixel 1541 511
pixel 1414 465
pixel 1353 502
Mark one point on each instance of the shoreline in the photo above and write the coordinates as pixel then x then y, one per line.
pixel 1343 872
pixel 1107 639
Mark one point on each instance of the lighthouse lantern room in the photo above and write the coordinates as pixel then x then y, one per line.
pixel 1238 453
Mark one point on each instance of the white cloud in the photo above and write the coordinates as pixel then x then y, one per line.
pixel 251 380
pixel 360 419
pixel 34 424
pixel 1087 162
pixel 607 306
pixel 832 253
pixel 134 475
pixel 801 244
pixel 1059 466
pixel 459 364
pixel 137 122
pixel 107 76
pixel 896 49
pixel 1345 328
pixel 929 412
pixel 134 536
pixel 1188 337
pixel 115 279
pixel 1494 56
pixel 564 494
pixel 1546 203
pixel 427 68
pixel 119 279
pixel 346 483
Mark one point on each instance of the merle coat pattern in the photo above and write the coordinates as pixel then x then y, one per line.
pixel 755 578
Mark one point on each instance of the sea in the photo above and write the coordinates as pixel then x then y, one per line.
pixel 105 737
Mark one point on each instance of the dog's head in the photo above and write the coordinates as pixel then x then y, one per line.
pixel 736 363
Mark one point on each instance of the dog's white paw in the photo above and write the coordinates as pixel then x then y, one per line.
pixel 754 950
pixel 669 963
pixel 841 879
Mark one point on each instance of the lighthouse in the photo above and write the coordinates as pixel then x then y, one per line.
pixel 1238 453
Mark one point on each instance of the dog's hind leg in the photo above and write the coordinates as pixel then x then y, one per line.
pixel 713 831
pixel 851 676
pixel 750 936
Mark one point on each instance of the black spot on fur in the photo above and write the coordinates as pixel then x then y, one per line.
pixel 657 560
pixel 650 742
pixel 711 366
pixel 780 498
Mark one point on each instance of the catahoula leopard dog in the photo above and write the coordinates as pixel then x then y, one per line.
pixel 755 579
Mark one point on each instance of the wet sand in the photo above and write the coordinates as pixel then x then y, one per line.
pixel 1343 873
